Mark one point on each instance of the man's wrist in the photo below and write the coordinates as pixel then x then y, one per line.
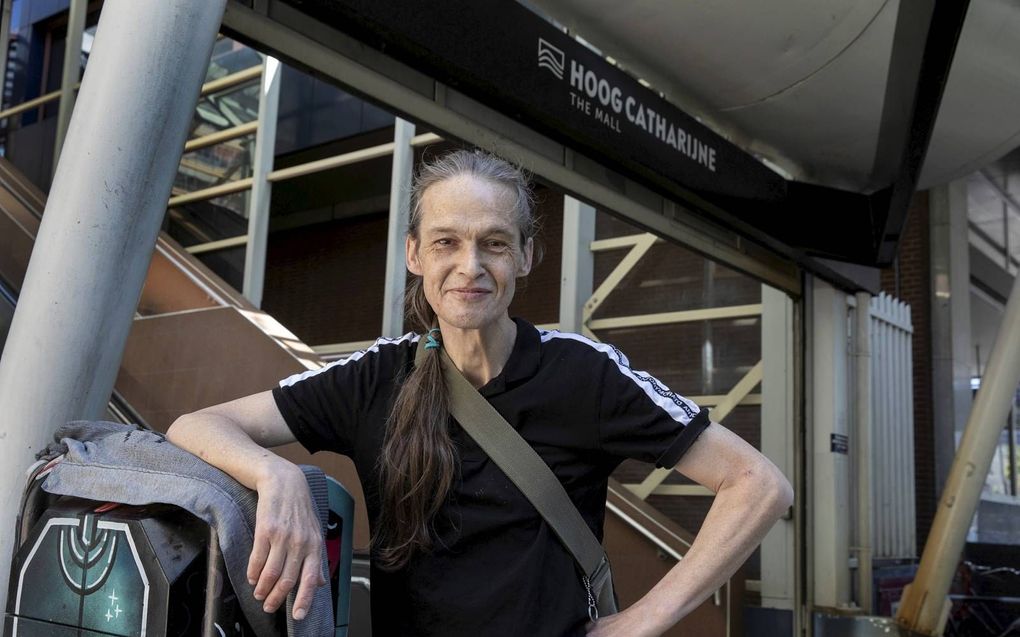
pixel 653 618
pixel 272 469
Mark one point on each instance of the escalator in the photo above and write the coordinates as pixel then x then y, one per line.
pixel 196 341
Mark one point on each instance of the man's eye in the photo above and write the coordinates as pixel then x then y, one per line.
pixel 444 242
pixel 496 244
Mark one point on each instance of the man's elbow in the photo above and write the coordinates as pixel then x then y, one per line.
pixel 178 429
pixel 763 483
pixel 779 492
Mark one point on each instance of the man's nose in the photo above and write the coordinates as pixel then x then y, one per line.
pixel 470 261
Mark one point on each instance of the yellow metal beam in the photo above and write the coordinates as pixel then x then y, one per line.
pixel 425 139
pixel 222 244
pixel 711 400
pixel 218 137
pixel 641 246
pixel 234 79
pixel 30 104
pixel 211 193
pixel 345 159
pixel 725 406
pixel 617 243
pixel 686 316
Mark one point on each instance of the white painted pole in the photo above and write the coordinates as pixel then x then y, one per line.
pixel 577 264
pixel 102 218
pixel 862 447
pixel 830 466
pixel 400 214
pixel 778 574
pixel 262 189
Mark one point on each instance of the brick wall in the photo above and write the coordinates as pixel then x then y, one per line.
pixel 324 282
pixel 910 281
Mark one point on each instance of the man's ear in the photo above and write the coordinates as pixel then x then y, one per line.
pixel 529 251
pixel 411 256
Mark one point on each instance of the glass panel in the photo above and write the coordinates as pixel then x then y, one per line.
pixel 226 216
pixel 215 165
pixel 694 358
pixel 227 263
pixel 224 109
pixel 538 296
pixel 313 113
pixel 327 245
pixel 230 56
pixel 325 281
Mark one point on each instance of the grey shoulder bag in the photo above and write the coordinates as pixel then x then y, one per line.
pixel 526 469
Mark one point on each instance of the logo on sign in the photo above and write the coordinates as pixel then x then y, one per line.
pixel 618 109
pixel 550 57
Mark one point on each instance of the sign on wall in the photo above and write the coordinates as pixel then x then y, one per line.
pixel 518 63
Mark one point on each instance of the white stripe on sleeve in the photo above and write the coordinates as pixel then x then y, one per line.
pixel 679 408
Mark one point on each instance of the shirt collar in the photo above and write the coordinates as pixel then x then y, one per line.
pixel 523 362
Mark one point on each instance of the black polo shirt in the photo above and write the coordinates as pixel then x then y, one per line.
pixel 497 568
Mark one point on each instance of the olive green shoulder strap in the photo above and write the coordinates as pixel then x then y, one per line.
pixel 526 469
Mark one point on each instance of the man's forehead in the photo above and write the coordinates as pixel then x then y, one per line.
pixel 468 191
pixel 468 222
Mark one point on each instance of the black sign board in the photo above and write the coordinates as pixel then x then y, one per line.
pixel 517 63
pixel 840 443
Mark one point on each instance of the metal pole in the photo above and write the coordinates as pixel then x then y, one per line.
pixel 577 262
pixel 262 189
pixel 102 218
pixel 863 449
pixel 400 213
pixel 71 72
pixel 924 607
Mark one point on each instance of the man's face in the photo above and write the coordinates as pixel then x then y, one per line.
pixel 468 251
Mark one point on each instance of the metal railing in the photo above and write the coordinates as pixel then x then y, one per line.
pixel 283 174
pixel 213 86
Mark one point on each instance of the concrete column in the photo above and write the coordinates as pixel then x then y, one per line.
pixel 830 466
pixel 778 574
pixel 261 190
pixel 578 262
pixel 102 218
pixel 71 72
pixel 400 214
pixel 950 321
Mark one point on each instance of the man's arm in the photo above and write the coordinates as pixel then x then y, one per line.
pixel 751 494
pixel 233 437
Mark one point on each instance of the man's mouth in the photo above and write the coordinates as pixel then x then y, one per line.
pixel 470 293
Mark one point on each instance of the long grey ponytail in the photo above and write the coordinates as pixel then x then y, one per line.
pixel 418 463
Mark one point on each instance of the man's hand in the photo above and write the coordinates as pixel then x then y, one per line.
pixel 288 540
pixel 232 436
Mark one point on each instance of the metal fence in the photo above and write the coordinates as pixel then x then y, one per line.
pixel 893 520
